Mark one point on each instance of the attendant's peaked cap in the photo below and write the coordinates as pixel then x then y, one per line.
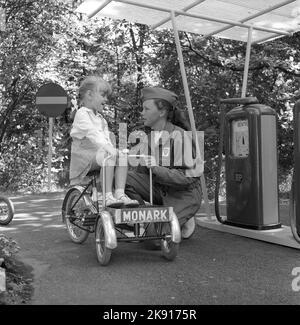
pixel 158 93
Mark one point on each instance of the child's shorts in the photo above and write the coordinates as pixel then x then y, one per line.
pixel 99 157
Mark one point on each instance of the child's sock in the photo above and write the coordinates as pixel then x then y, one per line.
pixel 119 192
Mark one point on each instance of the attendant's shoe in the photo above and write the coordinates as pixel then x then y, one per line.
pixel 188 228
pixel 128 202
pixel 112 202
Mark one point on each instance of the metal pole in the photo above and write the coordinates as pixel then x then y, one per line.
pixel 183 75
pixel 189 104
pixel 192 5
pixel 260 13
pixel 268 38
pixel 99 8
pixel 51 120
pixel 247 60
pixel 104 183
pixel 151 186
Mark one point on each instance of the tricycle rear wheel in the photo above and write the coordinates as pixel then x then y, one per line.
pixel 76 234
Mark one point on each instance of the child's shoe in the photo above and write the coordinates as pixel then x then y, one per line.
pixel 100 197
pixel 112 202
pixel 128 202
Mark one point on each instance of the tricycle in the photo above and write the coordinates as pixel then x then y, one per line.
pixel 84 214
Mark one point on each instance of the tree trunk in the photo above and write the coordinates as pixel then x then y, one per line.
pixel 138 50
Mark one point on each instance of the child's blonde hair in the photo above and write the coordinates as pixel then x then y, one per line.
pixel 90 83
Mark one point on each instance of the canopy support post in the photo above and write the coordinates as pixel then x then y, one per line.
pixel 247 60
pixel 189 104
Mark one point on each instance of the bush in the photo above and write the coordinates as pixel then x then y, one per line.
pixel 8 247
pixel 19 287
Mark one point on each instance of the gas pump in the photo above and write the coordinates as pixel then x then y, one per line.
pixel 249 133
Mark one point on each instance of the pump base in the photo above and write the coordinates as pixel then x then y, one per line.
pixel 280 236
pixel 262 227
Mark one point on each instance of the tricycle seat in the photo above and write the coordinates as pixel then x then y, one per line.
pixel 92 173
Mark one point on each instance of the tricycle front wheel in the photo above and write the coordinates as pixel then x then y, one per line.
pixel 103 252
pixel 168 247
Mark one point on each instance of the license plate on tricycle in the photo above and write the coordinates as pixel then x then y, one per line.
pixel 141 215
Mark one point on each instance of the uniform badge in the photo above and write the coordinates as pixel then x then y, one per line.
pixel 166 152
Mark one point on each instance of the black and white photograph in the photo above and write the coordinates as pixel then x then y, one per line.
pixel 149 156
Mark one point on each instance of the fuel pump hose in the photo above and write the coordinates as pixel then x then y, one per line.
pixel 219 166
pixel 292 212
pixel 292 199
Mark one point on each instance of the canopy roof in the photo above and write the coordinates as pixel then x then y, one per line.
pixel 221 18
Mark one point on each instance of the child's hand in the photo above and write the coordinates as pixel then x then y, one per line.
pixel 113 152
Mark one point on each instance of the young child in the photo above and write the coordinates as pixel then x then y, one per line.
pixel 91 143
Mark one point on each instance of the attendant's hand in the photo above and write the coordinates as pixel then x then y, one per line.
pixel 150 161
pixel 123 152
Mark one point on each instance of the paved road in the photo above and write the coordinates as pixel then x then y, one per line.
pixel 211 268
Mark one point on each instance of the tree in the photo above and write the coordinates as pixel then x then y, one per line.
pixel 47 41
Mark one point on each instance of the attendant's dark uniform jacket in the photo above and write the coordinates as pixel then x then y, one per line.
pixel 173 181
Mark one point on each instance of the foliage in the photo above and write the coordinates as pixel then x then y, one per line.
pixel 8 247
pixel 47 41
pixel 18 276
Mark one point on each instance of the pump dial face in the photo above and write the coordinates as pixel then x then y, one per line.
pixel 240 138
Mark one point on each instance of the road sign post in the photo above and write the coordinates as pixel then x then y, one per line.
pixel 51 120
pixel 51 101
